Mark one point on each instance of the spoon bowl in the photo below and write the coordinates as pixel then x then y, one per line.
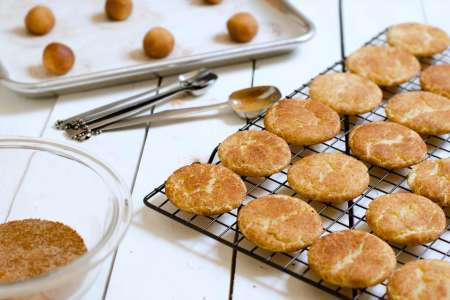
pixel 251 102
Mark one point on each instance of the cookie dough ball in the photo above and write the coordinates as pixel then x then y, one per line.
pixel 213 1
pixel 352 259
pixel 158 43
pixel 436 79
pixel 329 177
pixel 118 10
pixel 424 112
pixel 242 27
pixel 405 219
pixel 421 280
pixel 39 20
pixel 205 189
pixel 386 66
pixel 280 223
pixel 58 58
pixel 418 39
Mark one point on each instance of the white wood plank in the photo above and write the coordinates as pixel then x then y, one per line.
pixel 435 13
pixel 161 259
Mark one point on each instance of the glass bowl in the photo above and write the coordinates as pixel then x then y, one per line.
pixel 48 180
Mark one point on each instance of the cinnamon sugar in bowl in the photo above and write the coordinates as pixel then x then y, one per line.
pixel 62 213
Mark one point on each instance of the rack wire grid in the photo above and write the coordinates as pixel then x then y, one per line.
pixel 335 217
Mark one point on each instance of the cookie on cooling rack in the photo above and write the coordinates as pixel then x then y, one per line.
pixel 388 145
pixel 302 122
pixel 328 177
pixel 436 79
pixel 424 112
pixel 254 153
pixel 346 93
pixel 421 279
pixel 280 223
pixel 352 259
pixel 205 189
pixel 405 219
pixel 431 179
pixel 384 65
pixel 418 39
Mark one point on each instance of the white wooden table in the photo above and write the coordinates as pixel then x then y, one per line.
pixel 161 259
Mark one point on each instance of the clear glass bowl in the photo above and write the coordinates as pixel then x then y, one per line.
pixel 48 180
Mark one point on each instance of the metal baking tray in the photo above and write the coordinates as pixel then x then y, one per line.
pixel 109 53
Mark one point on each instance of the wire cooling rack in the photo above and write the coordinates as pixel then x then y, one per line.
pixel 224 228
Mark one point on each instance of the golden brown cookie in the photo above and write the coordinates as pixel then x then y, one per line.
pixel 405 219
pixel 424 112
pixel 280 223
pixel 33 247
pixel 254 153
pixel 431 179
pixel 328 177
pixel 205 189
pixel 388 145
pixel 421 280
pixel 436 79
pixel 351 258
pixel 346 93
pixel 418 39
pixel 302 122
pixel 386 66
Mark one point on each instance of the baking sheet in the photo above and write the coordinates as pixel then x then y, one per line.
pixel 109 52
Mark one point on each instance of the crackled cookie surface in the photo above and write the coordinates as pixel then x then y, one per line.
pixel 387 144
pixel 280 223
pixel 424 112
pixel 431 179
pixel 436 79
pixel 418 39
pixel 254 153
pixel 346 93
pixel 302 122
pixel 328 177
pixel 205 189
pixel 386 66
pixel 353 259
pixel 405 219
pixel 421 280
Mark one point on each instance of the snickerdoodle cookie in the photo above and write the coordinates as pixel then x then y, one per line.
pixel 388 145
pixel 346 93
pixel 436 79
pixel 421 280
pixel 351 258
pixel 405 219
pixel 328 177
pixel 205 189
pixel 431 179
pixel 280 223
pixel 386 66
pixel 254 153
pixel 302 122
pixel 424 112
pixel 418 39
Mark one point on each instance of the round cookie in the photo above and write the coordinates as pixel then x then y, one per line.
pixel 254 153
pixel 418 39
pixel 421 280
pixel 424 112
pixel 405 219
pixel 302 122
pixel 328 177
pixel 386 66
pixel 352 259
pixel 280 223
pixel 431 179
pixel 436 79
pixel 388 145
pixel 205 189
pixel 346 93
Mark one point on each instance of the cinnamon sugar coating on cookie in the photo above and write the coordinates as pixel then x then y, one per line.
pixel 205 189
pixel 436 79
